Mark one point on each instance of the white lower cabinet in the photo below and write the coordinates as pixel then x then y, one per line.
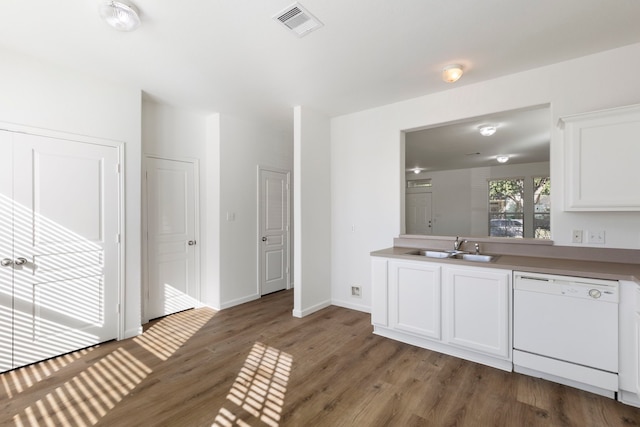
pixel 414 298
pixel 629 342
pixel 478 309
pixel 463 311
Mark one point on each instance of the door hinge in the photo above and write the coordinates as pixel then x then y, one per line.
pixel 118 238
pixel 118 308
pixel 118 168
pixel 286 270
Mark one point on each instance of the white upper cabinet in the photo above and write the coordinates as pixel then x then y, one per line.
pixel 602 154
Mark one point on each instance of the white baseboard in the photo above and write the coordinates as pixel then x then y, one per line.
pixel 350 305
pixel 239 301
pixel 310 310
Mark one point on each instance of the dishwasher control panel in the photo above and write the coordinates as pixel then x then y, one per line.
pixel 576 287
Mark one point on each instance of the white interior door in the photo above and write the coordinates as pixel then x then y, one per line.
pixel 66 246
pixel 418 213
pixel 274 230
pixel 172 250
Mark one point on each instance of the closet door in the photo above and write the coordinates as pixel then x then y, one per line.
pixel 65 228
pixel 6 252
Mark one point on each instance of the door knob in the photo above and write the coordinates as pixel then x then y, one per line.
pixel 20 261
pixel 264 239
pixel 191 242
pixel 6 262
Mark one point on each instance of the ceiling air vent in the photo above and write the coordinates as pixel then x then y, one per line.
pixel 298 20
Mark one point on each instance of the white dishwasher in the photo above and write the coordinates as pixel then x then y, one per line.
pixel 565 329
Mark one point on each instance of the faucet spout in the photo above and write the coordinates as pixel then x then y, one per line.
pixel 458 243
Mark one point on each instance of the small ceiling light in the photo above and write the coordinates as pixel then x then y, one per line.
pixel 451 73
pixel 120 15
pixel 416 170
pixel 502 159
pixel 487 130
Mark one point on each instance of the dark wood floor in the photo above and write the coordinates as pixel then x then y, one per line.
pixel 256 365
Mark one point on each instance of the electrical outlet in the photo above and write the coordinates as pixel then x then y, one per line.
pixel 355 291
pixel 596 237
pixel 576 236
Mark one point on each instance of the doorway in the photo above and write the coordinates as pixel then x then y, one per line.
pixel 273 217
pixel 172 236
pixel 418 213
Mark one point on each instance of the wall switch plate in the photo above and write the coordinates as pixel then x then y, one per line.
pixel 596 237
pixel 356 291
pixel 576 236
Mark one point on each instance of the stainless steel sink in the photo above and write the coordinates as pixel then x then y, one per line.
pixel 435 254
pixel 475 257
pixel 455 255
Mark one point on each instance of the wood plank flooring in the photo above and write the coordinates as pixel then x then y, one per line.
pixel 256 365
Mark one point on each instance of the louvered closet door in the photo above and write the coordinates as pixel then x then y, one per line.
pixel 65 227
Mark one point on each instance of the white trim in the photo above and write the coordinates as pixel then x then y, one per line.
pixel 239 301
pixel 145 241
pixel 311 310
pixel 346 304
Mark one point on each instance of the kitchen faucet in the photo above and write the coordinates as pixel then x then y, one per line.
pixel 458 244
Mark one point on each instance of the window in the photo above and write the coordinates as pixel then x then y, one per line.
pixel 506 207
pixel 520 207
pixel 542 207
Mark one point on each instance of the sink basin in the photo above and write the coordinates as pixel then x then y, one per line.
pixel 475 257
pixel 455 255
pixel 435 254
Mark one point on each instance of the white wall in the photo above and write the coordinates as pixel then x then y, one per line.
pixel 369 141
pixel 229 150
pixel 41 95
pixel 244 146
pixel 180 134
pixel 312 212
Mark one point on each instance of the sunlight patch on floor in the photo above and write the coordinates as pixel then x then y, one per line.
pixel 86 398
pixel 259 388
pixel 171 332
pixel 19 380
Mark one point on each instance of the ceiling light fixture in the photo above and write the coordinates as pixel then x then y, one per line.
pixel 416 170
pixel 120 15
pixel 451 73
pixel 502 159
pixel 487 130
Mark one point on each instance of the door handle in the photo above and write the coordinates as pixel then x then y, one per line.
pixel 264 239
pixel 6 262
pixel 191 242
pixel 20 261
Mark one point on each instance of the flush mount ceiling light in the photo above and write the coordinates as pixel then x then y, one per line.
pixel 451 73
pixel 502 159
pixel 487 130
pixel 120 15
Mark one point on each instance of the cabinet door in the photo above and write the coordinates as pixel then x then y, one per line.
pixel 415 298
pixel 477 309
pixel 601 152
pixel 379 297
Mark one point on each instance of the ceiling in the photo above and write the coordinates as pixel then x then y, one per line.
pixel 523 135
pixel 232 57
